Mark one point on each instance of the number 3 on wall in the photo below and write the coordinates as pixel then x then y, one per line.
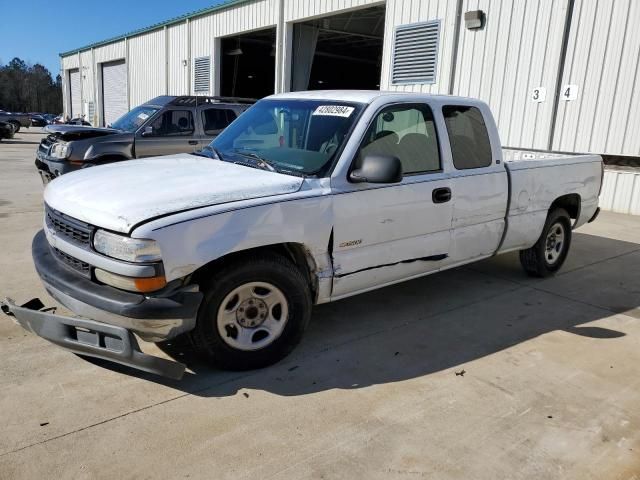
pixel 539 94
pixel 569 92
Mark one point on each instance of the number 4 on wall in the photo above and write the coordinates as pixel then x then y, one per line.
pixel 569 92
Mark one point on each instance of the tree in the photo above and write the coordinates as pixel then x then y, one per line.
pixel 29 88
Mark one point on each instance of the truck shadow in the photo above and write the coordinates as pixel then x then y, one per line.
pixel 437 323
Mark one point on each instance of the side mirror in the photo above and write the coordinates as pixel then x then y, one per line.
pixel 147 132
pixel 377 168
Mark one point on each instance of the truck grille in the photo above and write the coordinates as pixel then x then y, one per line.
pixel 74 230
pixel 45 146
pixel 82 267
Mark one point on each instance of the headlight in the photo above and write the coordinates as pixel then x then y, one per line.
pixel 126 248
pixel 60 150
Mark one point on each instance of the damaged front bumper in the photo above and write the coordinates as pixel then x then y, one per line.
pixel 107 318
pixel 90 338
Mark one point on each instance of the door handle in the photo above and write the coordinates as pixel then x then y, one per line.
pixel 193 142
pixel 441 195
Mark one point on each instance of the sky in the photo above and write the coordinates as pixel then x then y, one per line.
pixel 41 29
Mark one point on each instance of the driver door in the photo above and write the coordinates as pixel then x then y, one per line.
pixel 385 233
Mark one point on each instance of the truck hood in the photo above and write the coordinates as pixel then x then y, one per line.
pixel 78 132
pixel 120 195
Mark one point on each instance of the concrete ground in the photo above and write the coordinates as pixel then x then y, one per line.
pixel 476 373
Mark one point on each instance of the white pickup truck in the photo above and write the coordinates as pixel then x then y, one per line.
pixel 306 198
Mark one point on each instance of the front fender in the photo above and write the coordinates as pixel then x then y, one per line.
pixel 187 245
pixel 109 149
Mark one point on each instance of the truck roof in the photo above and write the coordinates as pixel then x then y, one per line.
pixel 361 96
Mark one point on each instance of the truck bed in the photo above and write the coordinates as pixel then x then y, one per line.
pixel 537 178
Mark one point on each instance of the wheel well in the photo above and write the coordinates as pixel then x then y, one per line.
pixel 570 202
pixel 296 252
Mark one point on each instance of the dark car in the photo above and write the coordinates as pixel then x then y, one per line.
pixel 164 125
pixel 38 120
pixel 6 130
pixel 18 120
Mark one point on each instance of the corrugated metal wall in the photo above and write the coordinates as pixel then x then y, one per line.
pixel 603 58
pixel 297 10
pixel 110 52
pixel 178 75
pixel 621 192
pixel 517 50
pixel 401 12
pixel 146 67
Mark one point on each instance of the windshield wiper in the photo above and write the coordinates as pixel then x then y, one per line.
pixel 259 161
pixel 207 152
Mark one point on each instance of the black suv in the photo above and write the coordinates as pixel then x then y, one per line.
pixel 164 125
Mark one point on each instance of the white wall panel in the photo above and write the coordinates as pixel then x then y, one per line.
pixel 401 12
pixel 178 52
pixel 110 52
pixel 87 77
pixel 621 192
pixel 72 61
pixel 297 10
pixel 146 67
pixel 517 50
pixel 603 61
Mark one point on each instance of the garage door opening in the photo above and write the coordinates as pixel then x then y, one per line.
pixel 74 93
pixel 114 91
pixel 248 64
pixel 339 52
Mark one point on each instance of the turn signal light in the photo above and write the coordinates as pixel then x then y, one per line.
pixel 131 284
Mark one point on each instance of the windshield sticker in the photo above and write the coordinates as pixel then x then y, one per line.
pixel 334 110
pixel 143 116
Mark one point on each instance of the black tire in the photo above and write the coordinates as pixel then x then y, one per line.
pixel 16 126
pixel 538 261
pixel 269 268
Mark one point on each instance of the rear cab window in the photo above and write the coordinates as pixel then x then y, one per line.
pixel 214 120
pixel 468 137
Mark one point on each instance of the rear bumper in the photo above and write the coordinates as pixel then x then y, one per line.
pixel 153 318
pixel 90 338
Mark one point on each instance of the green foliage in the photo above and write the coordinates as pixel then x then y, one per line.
pixel 29 88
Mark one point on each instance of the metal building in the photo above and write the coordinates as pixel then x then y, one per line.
pixel 558 74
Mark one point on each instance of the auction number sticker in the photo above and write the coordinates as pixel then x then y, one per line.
pixel 334 110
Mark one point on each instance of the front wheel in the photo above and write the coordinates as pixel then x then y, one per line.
pixel 254 313
pixel 550 251
pixel 16 126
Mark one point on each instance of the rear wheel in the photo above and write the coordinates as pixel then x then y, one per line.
pixel 16 126
pixel 550 251
pixel 253 314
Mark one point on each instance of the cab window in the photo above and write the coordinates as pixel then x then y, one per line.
pixel 173 123
pixel 407 132
pixel 468 137
pixel 217 119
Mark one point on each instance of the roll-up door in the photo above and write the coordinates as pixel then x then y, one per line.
pixel 74 93
pixel 114 91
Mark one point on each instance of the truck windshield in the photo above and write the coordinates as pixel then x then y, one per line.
pixel 296 136
pixel 134 119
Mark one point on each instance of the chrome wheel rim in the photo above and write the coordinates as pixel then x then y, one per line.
pixel 554 243
pixel 252 316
